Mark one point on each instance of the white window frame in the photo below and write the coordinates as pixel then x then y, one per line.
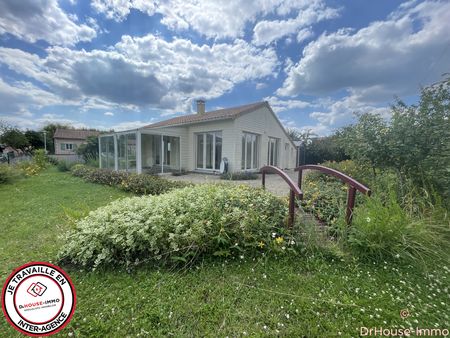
pixel 213 159
pixel 253 166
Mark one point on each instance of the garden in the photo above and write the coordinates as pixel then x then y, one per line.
pixel 153 257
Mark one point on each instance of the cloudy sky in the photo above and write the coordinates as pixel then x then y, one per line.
pixel 124 63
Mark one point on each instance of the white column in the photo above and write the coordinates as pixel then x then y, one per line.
pixel 138 152
pixel 99 152
pixel 162 154
pixel 116 153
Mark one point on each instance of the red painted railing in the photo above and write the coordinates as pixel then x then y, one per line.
pixel 353 185
pixel 295 190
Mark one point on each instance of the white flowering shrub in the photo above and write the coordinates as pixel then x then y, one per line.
pixel 182 224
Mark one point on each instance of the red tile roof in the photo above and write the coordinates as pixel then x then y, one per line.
pixel 221 114
pixel 74 134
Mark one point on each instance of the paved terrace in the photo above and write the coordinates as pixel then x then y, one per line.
pixel 274 183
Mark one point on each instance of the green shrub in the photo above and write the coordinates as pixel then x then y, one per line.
pixel 356 171
pixel 29 168
pixel 383 230
pixel 8 173
pixel 40 159
pixel 52 160
pixel 140 184
pixel 239 176
pixel 64 165
pixel 181 225
pixel 324 198
pixel 80 170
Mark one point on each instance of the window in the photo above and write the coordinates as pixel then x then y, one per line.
pixel 126 145
pixel 107 152
pixel 272 151
pixel 209 150
pixel 68 146
pixel 250 151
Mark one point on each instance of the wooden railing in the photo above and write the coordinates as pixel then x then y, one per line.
pixel 295 190
pixel 353 185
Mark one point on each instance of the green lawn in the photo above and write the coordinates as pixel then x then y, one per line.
pixel 307 296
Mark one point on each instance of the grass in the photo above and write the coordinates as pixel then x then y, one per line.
pixel 306 296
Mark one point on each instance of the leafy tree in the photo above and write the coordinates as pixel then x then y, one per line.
pixel 366 141
pixel 13 137
pixel 323 149
pixel 89 150
pixel 415 142
pixel 35 139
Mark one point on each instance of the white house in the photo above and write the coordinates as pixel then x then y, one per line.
pixel 248 136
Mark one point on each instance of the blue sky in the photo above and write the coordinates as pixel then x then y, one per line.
pixel 112 64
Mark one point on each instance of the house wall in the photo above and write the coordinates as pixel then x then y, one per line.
pixel 181 132
pixel 261 122
pixel 226 127
pixel 59 141
pixel 265 124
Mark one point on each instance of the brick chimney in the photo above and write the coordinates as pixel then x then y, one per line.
pixel 200 107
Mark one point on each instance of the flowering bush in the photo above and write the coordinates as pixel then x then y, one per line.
pixel 140 184
pixel 180 225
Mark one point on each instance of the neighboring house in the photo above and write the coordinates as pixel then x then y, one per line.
pixel 248 136
pixel 68 140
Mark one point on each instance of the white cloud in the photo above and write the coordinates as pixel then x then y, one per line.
pixel 387 58
pixel 144 72
pixel 33 20
pixel 211 18
pixel 266 32
pixel 280 105
pixel 304 34
pixel 119 9
pixel 108 113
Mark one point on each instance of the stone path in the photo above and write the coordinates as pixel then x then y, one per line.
pixel 274 183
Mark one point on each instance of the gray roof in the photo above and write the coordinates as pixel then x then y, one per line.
pixel 75 134
pixel 221 114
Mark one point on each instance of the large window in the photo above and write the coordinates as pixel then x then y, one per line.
pixel 107 152
pixel 126 145
pixel 209 150
pixel 250 151
pixel 272 151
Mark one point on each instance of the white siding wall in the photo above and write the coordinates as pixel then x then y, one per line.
pixel 265 124
pixel 261 122
pixel 226 127
pixel 59 141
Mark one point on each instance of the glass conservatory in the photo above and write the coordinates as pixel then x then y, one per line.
pixel 140 152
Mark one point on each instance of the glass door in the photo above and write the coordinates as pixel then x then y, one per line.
pixel 272 152
pixel 209 150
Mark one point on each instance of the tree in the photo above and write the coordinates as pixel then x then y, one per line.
pixel 89 150
pixel 13 137
pixel 323 149
pixel 35 139
pixel 366 141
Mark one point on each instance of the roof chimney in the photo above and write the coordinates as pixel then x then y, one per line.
pixel 200 107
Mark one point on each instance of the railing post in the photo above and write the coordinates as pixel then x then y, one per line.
pixel 291 208
pixel 299 181
pixel 350 204
pixel 264 180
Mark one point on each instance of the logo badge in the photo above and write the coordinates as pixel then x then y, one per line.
pixel 38 299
